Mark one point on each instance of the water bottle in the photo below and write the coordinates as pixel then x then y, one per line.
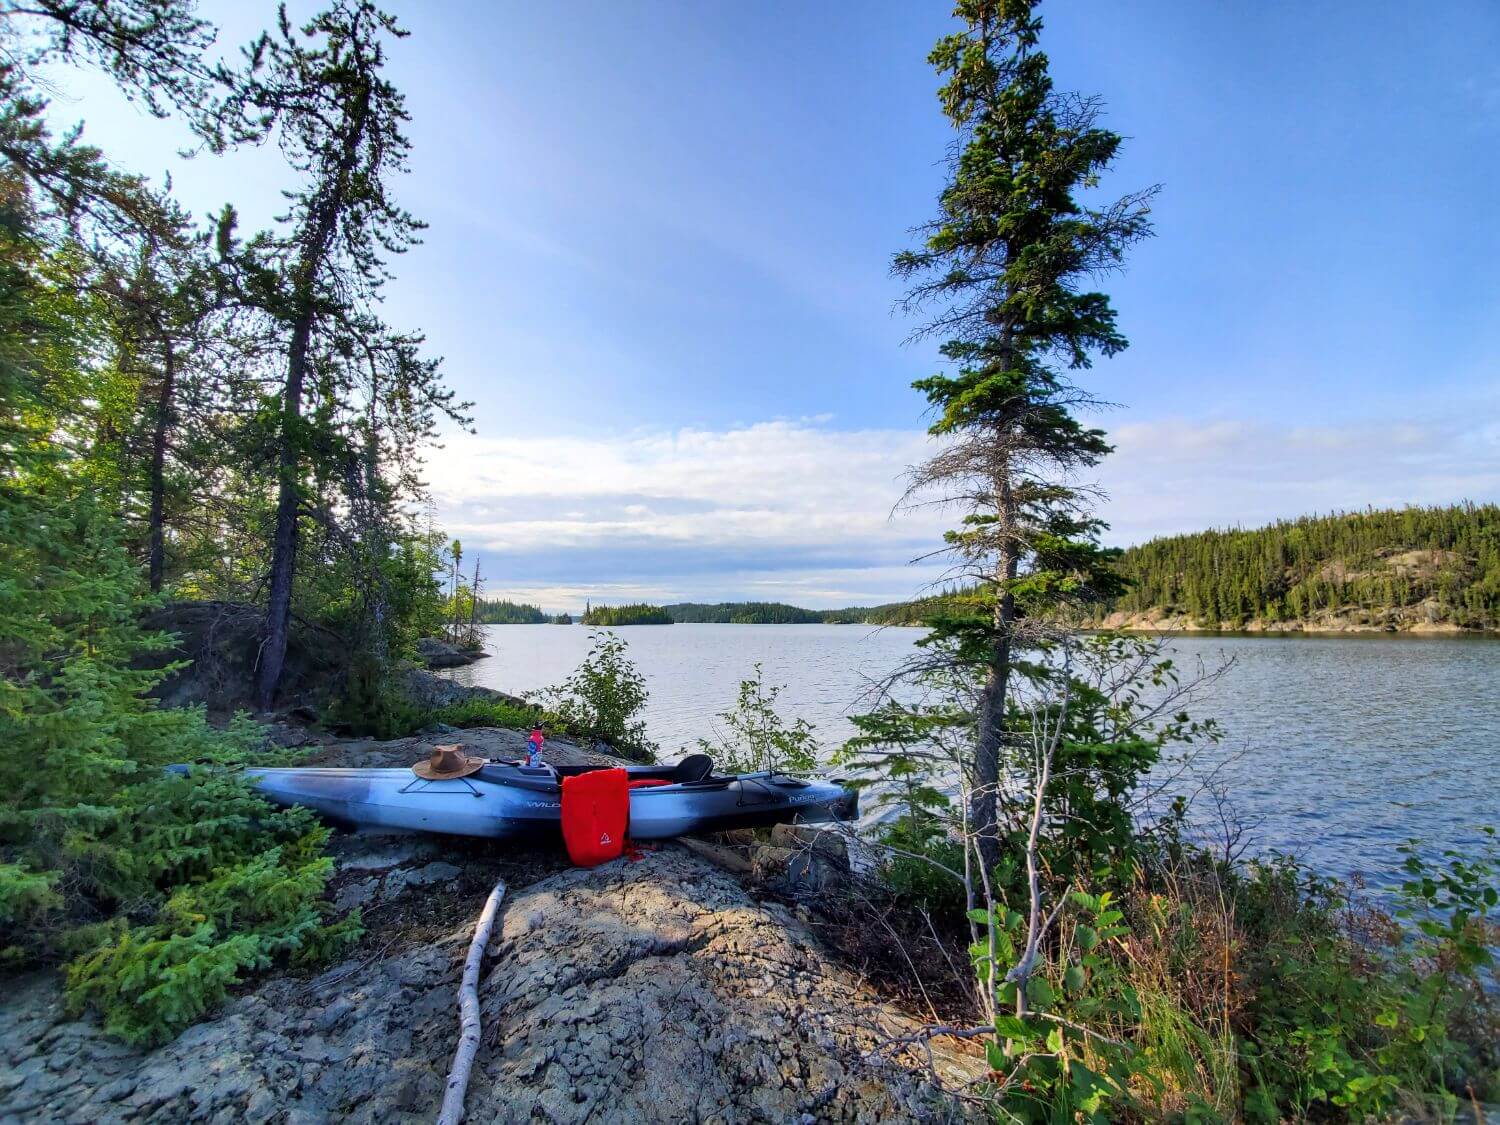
pixel 534 746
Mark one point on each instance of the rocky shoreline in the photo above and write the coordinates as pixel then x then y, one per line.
pixel 1329 624
pixel 648 989
pixel 438 653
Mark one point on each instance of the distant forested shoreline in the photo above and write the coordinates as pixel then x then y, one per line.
pixel 1403 570
pixel 638 614
pixel 1431 570
pixel 780 613
pixel 501 612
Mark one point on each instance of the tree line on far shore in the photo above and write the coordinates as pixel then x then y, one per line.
pixel 1433 565
pixel 501 611
pixel 504 612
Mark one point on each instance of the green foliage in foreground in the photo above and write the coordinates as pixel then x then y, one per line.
pixel 152 980
pixel 1347 1012
pixel 1177 985
pixel 160 889
pixel 1435 564
pixel 1188 989
pixel 163 889
pixel 637 614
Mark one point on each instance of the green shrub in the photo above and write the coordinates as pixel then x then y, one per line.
pixel 917 865
pixel 153 980
pixel 103 854
pixel 758 739
pixel 603 698
pixel 480 712
pixel 373 705
pixel 1353 1013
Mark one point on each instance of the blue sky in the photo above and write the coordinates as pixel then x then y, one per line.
pixel 658 261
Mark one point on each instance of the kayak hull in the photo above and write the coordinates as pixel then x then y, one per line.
pixel 513 802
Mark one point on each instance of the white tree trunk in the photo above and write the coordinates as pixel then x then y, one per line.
pixel 468 1005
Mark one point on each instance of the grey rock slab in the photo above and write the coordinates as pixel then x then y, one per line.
pixel 381 853
pixel 398 881
pixel 634 992
pixel 356 894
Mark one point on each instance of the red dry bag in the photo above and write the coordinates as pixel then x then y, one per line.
pixel 595 811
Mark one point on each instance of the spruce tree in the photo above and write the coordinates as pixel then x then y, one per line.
pixel 177 354
pixel 1004 275
pixel 321 89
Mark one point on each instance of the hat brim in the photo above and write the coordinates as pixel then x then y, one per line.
pixel 425 771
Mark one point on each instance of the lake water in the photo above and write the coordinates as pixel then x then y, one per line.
pixel 1335 748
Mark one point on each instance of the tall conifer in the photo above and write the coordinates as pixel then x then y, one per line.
pixel 322 90
pixel 1003 276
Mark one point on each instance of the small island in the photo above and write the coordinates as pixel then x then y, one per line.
pixel 637 614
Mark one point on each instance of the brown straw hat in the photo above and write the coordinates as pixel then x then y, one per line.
pixel 448 762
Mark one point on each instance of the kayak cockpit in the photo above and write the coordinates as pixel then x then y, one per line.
pixel 695 770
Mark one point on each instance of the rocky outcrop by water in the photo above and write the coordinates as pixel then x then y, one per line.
pixel 649 990
pixel 438 653
pixel 1425 617
pixel 425 689
pixel 654 989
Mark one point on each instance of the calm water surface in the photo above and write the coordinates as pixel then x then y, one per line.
pixel 1335 748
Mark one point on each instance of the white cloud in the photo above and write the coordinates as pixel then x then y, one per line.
pixel 797 511
pixel 770 510
pixel 1174 475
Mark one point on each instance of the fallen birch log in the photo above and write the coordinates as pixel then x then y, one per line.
pixel 468 1006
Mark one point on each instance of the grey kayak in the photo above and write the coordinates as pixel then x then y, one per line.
pixel 506 801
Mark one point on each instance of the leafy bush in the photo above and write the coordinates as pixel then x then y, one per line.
pixel 1350 1011
pixel 604 698
pixel 1222 990
pixel 479 712
pixel 918 866
pixel 757 739
pixel 1051 1064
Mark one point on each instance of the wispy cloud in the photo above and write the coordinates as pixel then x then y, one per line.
pixel 1173 475
pixel 774 509
pixel 800 511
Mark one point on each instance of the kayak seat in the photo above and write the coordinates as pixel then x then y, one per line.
pixel 695 767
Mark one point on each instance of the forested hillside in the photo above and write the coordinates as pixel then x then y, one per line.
pixel 1413 568
pixel 742 613
pixel 891 613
